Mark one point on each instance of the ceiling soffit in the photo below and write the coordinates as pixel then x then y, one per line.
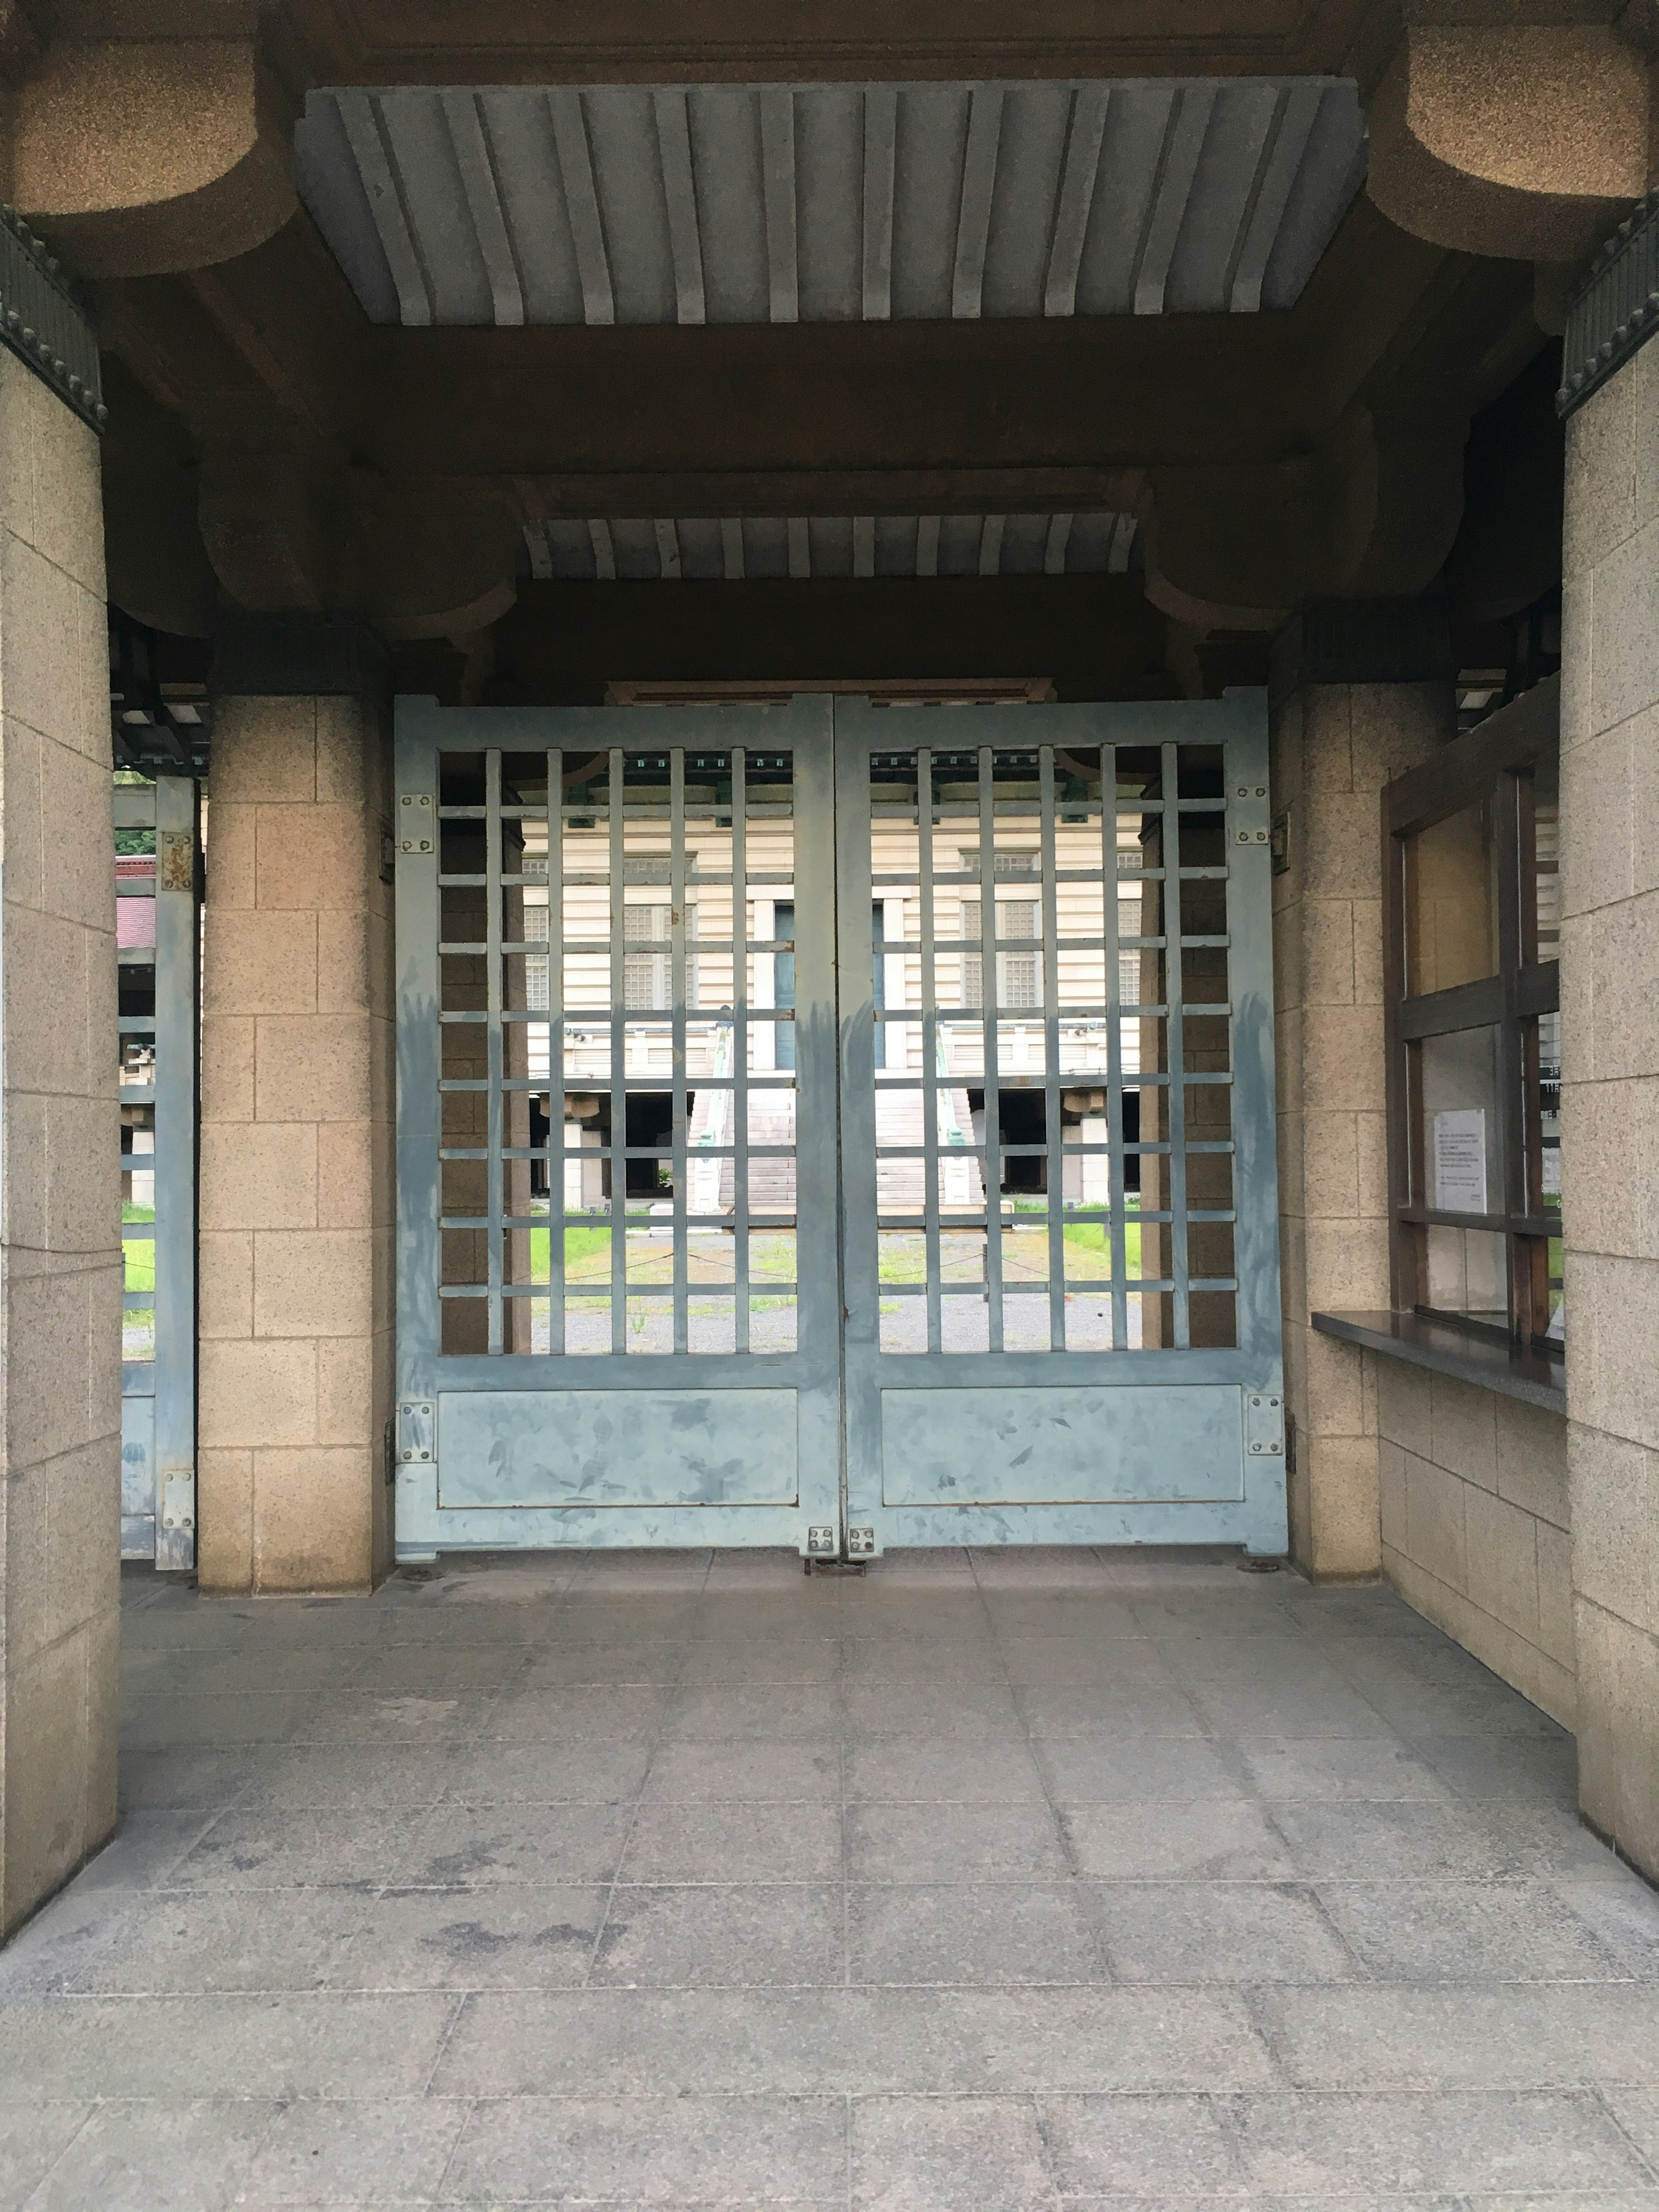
pixel 665 549
pixel 786 203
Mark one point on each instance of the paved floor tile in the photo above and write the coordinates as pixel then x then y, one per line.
pixel 484 1844
pixel 1096 1881
pixel 1221 1931
pixel 1522 2037
pixel 921 1771
pixel 1133 1709
pixel 910 1843
pixel 672 1843
pixel 32 2141
pixel 287 2045
pixel 1319 1768
pixel 1423 1930
pixel 750 1935
pixel 1130 2147
pixel 1347 2145
pixel 134 2157
pixel 954 2155
pixel 1091 1771
pixel 705 1712
pixel 339 2151
pixel 188 1941
pixel 977 1934
pixel 1145 1841
pixel 521 1937
pixel 645 2149
pixel 567 1770
pixel 749 1771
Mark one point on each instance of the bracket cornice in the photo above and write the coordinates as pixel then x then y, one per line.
pixel 1615 311
pixel 45 325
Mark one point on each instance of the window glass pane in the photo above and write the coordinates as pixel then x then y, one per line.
pixel 1451 922
pixel 1465 1274
pixel 1547 858
pixel 1458 1149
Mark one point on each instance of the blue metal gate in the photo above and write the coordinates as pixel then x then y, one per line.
pixel 157 934
pixel 722 1222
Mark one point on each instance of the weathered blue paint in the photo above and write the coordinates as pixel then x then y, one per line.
pixel 617 1448
pixel 1128 1446
pixel 158 1412
pixel 551 1449
pixel 1067 1445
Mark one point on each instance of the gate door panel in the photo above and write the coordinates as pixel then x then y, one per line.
pixel 618 1303
pixel 1059 1188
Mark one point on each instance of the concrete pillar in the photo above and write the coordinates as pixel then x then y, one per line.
pixel 60 1268
pixel 296 1200
pixel 1610 1090
pixel 1336 739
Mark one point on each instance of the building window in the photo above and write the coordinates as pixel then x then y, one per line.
pixel 1472 894
pixel 1019 986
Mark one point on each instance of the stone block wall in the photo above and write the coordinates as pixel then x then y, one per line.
pixel 60 1263
pixel 1334 747
pixel 296 1195
pixel 1610 1091
pixel 1475 1524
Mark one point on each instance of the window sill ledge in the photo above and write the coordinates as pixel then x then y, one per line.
pixel 1531 1377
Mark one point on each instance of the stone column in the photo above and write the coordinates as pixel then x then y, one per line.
pixel 296 1200
pixel 1359 695
pixel 1610 1087
pixel 60 1267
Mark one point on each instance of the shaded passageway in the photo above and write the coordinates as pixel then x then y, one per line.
pixel 1018 1881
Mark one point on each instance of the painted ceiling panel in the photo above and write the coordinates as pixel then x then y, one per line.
pixel 647 549
pixel 735 204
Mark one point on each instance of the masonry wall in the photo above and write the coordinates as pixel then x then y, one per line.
pixel 60 1265
pixel 1334 747
pixel 1610 1091
pixel 1475 1524
pixel 296 1195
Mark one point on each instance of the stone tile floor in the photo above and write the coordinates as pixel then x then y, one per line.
pixel 1012 1881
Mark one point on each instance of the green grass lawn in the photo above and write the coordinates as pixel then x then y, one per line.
pixel 140 1252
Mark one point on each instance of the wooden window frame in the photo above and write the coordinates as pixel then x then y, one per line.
pixel 1495 761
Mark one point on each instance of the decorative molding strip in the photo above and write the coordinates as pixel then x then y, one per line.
pixel 1360 642
pixel 1616 309
pixel 43 322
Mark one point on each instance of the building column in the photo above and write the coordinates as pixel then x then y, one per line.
pixel 296 1200
pixel 1610 1055
pixel 1360 694
pixel 60 1263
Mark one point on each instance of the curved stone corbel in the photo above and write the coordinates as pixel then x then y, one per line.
pixel 1372 512
pixel 137 157
pixel 269 532
pixel 1520 141
pixel 438 556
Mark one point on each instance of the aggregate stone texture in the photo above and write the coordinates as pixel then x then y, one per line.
pixel 1070 1881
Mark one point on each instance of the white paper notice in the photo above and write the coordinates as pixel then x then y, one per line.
pixel 1552 1166
pixel 1459 1160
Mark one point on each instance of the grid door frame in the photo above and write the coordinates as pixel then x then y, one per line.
pixel 547 1385
pixel 1252 1367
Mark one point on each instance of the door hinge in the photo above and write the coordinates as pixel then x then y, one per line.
pixel 417 823
pixel 1247 814
pixel 1264 1426
pixel 861 1543
pixel 820 1539
pixel 417 1435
